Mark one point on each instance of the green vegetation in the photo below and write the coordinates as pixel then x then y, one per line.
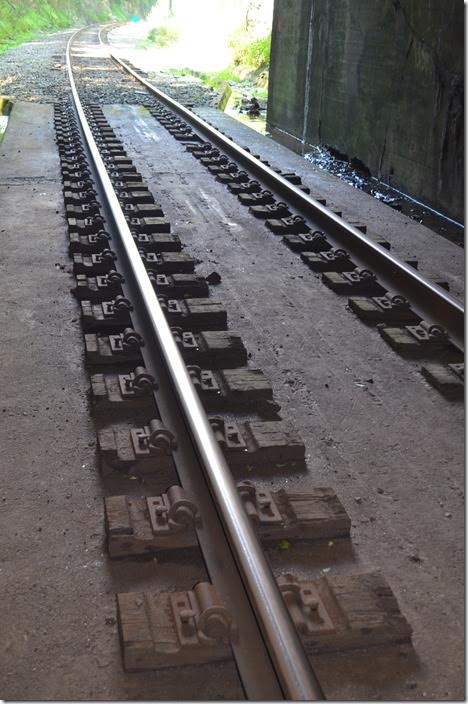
pixel 212 79
pixel 215 79
pixel 244 43
pixel 20 20
pixel 250 54
pixel 250 63
pixel 250 57
pixel 162 36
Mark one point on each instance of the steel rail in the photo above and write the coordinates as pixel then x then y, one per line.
pixel 431 301
pixel 294 672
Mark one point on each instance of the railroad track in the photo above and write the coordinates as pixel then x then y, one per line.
pixel 175 400
pixel 395 292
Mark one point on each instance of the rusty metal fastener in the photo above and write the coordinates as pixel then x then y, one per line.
pixel 303 605
pixel 107 255
pixel 195 374
pixel 173 511
pixel 122 304
pixel 114 277
pixel 131 338
pixel 425 331
pixel 259 503
pixel 202 616
pixel 360 275
pixel 398 301
pixel 138 382
pixel 159 436
pixel 227 434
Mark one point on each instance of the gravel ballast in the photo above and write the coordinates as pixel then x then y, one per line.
pixel 35 72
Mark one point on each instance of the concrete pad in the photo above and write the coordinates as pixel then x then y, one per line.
pixel 28 147
pixel 59 638
pixel 390 445
pixel 407 237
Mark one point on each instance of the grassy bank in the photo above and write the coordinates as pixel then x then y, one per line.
pixel 21 20
pixel 212 79
pixel 250 64
pixel 251 55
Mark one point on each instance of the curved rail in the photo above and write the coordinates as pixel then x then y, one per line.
pixel 431 301
pixel 290 664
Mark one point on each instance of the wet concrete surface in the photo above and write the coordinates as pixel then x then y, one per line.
pixel 389 444
pixel 59 638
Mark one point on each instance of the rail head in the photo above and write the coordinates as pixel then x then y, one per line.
pixel 296 678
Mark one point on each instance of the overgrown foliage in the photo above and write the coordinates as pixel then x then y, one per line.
pixel 250 57
pixel 213 79
pixel 163 35
pixel 250 62
pixel 244 55
pixel 250 54
pixel 20 20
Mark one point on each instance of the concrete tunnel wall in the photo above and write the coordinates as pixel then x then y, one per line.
pixel 381 81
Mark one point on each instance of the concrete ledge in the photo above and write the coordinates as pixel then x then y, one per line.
pixel 286 139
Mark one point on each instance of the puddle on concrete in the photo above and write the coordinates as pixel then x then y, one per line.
pixel 5 109
pixel 357 176
pixel 242 105
pixel 255 123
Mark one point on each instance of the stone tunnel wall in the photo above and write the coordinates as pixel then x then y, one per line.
pixel 380 81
